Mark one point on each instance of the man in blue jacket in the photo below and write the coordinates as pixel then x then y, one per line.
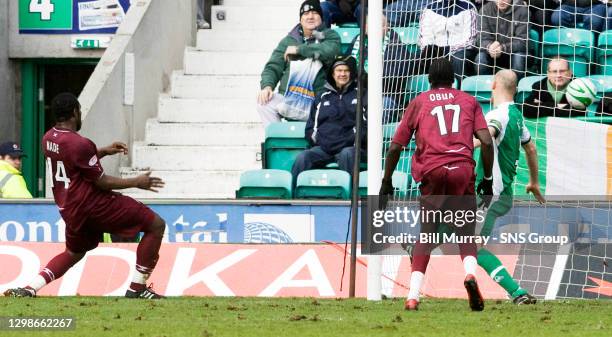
pixel 330 129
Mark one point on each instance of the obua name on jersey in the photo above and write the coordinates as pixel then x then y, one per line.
pixel 444 96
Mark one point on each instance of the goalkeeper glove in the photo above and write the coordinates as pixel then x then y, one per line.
pixel 485 191
pixel 386 190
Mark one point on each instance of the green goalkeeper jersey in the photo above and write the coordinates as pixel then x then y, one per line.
pixel 507 119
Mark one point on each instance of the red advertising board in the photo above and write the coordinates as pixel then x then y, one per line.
pixel 230 270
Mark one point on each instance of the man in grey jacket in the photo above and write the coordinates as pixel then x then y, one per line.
pixel 503 37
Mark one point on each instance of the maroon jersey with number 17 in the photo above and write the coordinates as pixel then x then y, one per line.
pixel 445 121
pixel 73 164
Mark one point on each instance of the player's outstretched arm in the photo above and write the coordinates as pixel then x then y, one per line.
pixel 143 181
pixel 531 154
pixel 114 148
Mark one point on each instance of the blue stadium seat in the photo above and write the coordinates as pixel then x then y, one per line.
pixel 284 141
pixel 576 45
pixel 524 87
pixel 323 184
pixel 480 87
pixel 265 184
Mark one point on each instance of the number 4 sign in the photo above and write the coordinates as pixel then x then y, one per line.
pixel 44 7
pixel 45 14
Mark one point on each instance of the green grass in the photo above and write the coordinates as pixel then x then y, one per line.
pixel 189 316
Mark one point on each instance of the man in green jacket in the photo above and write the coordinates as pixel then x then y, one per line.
pixel 308 39
pixel 12 184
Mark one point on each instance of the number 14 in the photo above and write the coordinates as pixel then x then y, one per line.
pixel 439 113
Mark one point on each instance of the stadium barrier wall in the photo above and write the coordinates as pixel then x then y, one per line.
pixel 220 270
pixel 122 93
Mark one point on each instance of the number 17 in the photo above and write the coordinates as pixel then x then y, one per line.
pixel 439 113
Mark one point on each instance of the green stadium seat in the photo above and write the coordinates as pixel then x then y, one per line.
pixel 524 87
pixel 604 52
pixel 399 180
pixel 323 184
pixel 284 141
pixel 265 184
pixel 576 45
pixel 603 84
pixel 534 43
pixel 409 36
pixel 347 35
pixel 418 84
pixel 480 87
pixel 362 166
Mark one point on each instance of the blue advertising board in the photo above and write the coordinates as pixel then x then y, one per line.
pixel 223 222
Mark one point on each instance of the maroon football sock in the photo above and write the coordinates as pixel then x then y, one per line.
pixel 147 254
pixel 467 249
pixel 58 266
pixel 420 257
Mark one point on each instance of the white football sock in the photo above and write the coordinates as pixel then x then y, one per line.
pixel 37 283
pixel 140 278
pixel 416 279
pixel 469 264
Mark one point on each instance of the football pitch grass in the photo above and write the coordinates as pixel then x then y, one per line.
pixel 226 316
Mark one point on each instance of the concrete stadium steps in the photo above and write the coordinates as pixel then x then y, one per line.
pixel 189 158
pixel 189 184
pixel 199 62
pixel 261 17
pixel 240 41
pixel 208 110
pixel 211 134
pixel 207 131
pixel 214 86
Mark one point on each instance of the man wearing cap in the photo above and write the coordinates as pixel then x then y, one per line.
pixel 12 184
pixel 308 39
pixel 331 127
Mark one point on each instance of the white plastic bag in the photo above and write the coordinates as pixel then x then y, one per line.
pixel 300 95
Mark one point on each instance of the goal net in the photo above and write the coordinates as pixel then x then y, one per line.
pixel 563 64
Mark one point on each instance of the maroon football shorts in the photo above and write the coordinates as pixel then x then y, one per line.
pixel 449 188
pixel 119 215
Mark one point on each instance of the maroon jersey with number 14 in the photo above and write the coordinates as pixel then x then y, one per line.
pixel 445 121
pixel 73 164
pixel 88 211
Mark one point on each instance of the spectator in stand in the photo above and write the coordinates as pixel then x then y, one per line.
pixel 402 12
pixel 341 11
pixel 200 19
pixel 540 13
pixel 447 27
pixel 547 98
pixel 590 13
pixel 12 184
pixel 395 70
pixel 503 37
pixel 308 39
pixel 330 130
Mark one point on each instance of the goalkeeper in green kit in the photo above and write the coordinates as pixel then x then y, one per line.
pixel 509 133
